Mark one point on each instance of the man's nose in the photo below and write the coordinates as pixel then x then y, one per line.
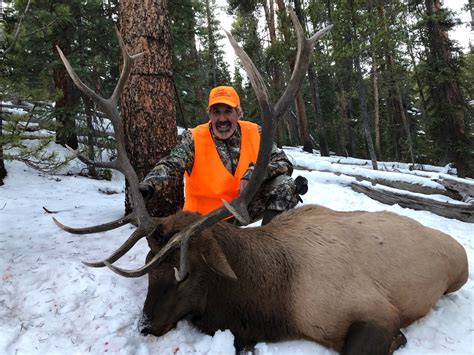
pixel 221 116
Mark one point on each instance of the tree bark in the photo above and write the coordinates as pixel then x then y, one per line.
pixel 303 124
pixel 148 102
pixel 3 170
pixel 65 108
pixel 375 74
pixel 300 106
pixel 90 153
pixel 320 126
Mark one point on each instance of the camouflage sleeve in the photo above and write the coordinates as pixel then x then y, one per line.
pixel 172 167
pixel 279 164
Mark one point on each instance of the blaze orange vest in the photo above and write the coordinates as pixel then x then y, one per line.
pixel 210 181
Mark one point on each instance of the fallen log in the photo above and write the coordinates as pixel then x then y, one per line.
pixel 461 212
pixel 466 190
pixel 397 184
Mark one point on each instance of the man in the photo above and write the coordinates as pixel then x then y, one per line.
pixel 217 160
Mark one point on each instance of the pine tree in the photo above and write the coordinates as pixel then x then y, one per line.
pixel 441 71
pixel 31 69
pixel 148 98
pixel 187 76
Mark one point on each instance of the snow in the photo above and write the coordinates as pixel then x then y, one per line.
pixel 50 303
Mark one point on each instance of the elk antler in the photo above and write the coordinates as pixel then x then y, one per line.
pixel 270 114
pixel 146 224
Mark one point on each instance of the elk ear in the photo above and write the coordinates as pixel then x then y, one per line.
pixel 215 258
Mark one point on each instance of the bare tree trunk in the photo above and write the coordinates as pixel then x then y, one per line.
pixel 3 170
pixel 300 106
pixel 65 108
pixel 303 124
pixel 378 150
pixel 320 126
pixel 365 114
pixel 406 125
pixel 88 108
pixel 148 102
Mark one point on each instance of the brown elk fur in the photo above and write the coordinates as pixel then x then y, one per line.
pixel 309 274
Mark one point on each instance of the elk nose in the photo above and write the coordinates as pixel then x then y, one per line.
pixel 146 331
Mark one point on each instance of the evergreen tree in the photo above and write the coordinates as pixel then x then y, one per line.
pixel 214 68
pixel 148 98
pixel 441 70
pixel 187 63
pixel 32 71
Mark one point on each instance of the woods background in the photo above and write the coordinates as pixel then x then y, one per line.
pixel 387 84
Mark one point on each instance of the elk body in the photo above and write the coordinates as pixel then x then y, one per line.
pixel 347 280
pixel 311 274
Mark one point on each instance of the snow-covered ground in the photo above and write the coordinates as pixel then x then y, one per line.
pixel 50 303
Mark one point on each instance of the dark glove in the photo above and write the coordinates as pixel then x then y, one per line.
pixel 147 191
pixel 301 185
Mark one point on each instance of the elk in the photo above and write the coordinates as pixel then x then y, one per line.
pixel 347 280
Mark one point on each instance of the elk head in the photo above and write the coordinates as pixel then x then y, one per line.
pixel 173 294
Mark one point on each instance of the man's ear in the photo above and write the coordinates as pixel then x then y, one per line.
pixel 239 111
pixel 215 258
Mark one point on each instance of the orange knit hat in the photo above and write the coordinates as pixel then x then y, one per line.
pixel 224 95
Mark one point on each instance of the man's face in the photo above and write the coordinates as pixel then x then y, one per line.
pixel 223 120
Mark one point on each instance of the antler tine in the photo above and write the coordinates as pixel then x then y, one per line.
pixel 173 243
pixel 303 56
pixel 182 238
pixel 99 228
pixel 122 163
pixel 138 234
pixel 128 61
pixel 75 78
pixel 268 132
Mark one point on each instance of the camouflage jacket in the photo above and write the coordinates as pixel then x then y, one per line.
pixel 181 159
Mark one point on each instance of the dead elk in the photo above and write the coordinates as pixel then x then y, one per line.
pixel 346 280
pixel 312 274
